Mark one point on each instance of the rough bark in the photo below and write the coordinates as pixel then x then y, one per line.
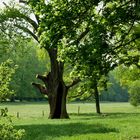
pixel 57 90
pixel 57 102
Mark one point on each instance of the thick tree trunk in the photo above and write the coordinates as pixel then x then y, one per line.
pixel 97 101
pixel 57 103
pixel 57 90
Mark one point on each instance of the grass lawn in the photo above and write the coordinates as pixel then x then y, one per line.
pixel 119 121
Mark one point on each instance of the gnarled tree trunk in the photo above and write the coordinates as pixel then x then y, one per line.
pixel 57 102
pixel 55 87
pixel 57 90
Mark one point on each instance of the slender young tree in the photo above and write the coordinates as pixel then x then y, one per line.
pixel 107 44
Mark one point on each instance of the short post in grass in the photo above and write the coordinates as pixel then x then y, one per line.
pixel 43 113
pixel 78 110
pixel 17 114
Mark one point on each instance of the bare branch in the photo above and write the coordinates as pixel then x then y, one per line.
pixel 41 77
pixel 28 19
pixel 41 88
pixel 81 36
pixel 75 96
pixel 15 13
pixel 23 1
pixel 5 5
pixel 76 81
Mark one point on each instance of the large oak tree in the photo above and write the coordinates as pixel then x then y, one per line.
pixel 61 25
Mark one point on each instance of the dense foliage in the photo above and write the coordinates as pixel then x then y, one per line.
pixel 115 92
pixel 7 130
pixel 129 77
pixel 30 61
pixel 7 69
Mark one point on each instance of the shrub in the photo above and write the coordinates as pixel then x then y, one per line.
pixel 7 131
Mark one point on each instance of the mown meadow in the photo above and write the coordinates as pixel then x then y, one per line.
pixel 118 121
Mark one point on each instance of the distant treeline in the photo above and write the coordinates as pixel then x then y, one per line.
pixel 115 92
pixel 29 99
pixel 31 60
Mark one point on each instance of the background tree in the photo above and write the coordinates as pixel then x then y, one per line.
pixel 30 60
pixel 115 92
pixel 129 78
pixel 6 73
pixel 103 47
pixel 27 57
pixel 109 39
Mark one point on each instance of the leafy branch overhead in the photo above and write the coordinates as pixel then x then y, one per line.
pixel 69 23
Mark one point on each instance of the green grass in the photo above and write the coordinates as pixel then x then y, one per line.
pixel 119 121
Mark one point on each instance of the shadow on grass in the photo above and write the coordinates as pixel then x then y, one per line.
pixel 108 115
pixel 119 115
pixel 83 114
pixel 41 132
pixel 115 116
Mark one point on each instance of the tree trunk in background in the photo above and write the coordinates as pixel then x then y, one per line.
pixel 97 101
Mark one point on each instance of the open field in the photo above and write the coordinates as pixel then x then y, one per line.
pixel 119 121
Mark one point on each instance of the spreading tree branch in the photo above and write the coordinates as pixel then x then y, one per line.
pixel 15 13
pixel 81 36
pixel 27 31
pixel 122 40
pixel 41 77
pixel 75 96
pixel 41 88
pixel 32 22
pixel 138 66
pixel 23 1
pixel 127 43
pixel 76 81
